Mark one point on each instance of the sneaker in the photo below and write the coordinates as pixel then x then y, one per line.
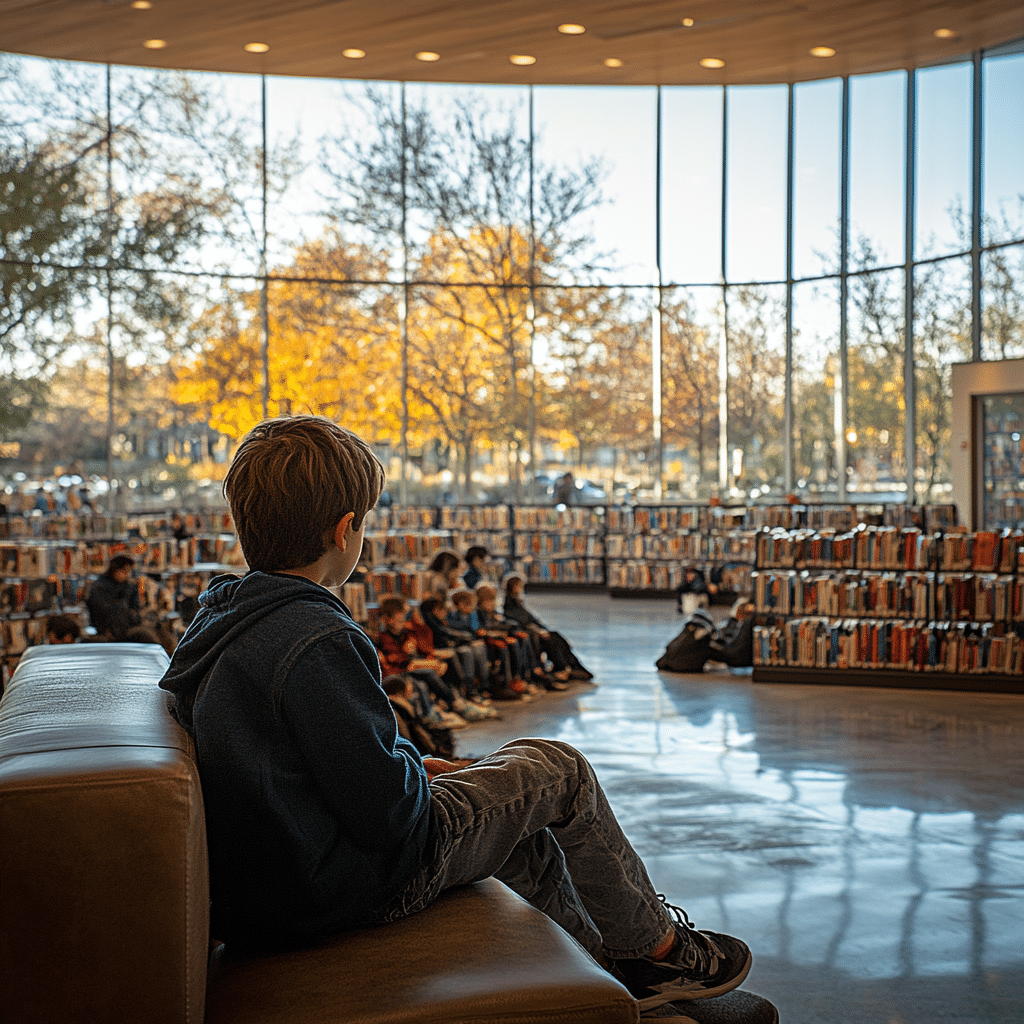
pixel 703 964
pixel 451 720
pixel 732 1008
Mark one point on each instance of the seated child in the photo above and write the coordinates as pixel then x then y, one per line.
pixel 554 645
pixel 429 739
pixel 733 641
pixel 320 817
pixel 471 650
pixel 525 662
pixel 399 655
pixel 442 574
pixel 504 684
pixel 476 560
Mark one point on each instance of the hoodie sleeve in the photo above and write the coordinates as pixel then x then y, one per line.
pixel 342 723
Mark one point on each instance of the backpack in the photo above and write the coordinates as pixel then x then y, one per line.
pixel 692 647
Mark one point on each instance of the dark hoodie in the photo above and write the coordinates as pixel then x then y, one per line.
pixel 316 809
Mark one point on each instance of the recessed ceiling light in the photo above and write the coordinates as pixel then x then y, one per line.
pixel 142 5
pixel 569 29
pixel 256 47
pixel 687 22
pixel 821 51
pixel 612 62
pixel 944 33
pixel 155 44
pixel 522 58
pixel 712 62
pixel 353 54
pixel 428 56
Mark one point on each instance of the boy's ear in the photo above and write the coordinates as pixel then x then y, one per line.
pixel 341 531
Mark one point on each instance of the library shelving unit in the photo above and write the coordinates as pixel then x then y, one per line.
pixel 559 546
pixel 649 548
pixel 47 564
pixel 892 606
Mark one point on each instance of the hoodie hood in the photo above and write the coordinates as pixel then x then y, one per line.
pixel 229 608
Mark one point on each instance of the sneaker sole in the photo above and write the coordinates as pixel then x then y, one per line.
pixel 677 994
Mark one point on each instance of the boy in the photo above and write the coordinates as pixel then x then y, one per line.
pixel 525 663
pixel 504 683
pixel 476 560
pixel 320 817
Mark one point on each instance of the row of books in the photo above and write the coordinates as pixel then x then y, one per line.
pixel 562 570
pixel 870 547
pixel 475 517
pixel 386 548
pixel 969 597
pixel 578 519
pixel 920 646
pixel 636 575
pixel 79 557
pixel 563 545
pixel 496 543
pixel 82 525
pixel 732 546
pixel 646 520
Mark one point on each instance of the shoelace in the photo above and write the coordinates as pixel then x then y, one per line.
pixel 698 953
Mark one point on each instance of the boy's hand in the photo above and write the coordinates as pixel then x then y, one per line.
pixel 438 766
pixel 409 647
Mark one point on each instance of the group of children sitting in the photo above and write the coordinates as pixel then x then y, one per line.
pixel 447 661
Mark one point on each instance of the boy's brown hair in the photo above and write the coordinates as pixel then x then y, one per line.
pixel 462 596
pixel 486 591
pixel 390 604
pixel 291 481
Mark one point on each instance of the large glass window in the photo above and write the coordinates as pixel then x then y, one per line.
pixel 878 122
pixel 876 403
pixel 817 387
pixel 597 151
pixel 335 176
pixel 942 337
pixel 691 185
pixel 1003 147
pixel 817 143
pixel 469 272
pixel 756 331
pixel 943 165
pixel 1002 303
pixel 692 347
pixel 756 183
pixel 186 154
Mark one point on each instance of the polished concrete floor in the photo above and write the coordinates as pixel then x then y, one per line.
pixel 868 844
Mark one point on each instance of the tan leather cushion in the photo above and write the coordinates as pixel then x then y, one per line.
pixel 478 954
pixel 104 914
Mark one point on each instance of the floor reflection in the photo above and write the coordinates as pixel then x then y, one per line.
pixel 866 843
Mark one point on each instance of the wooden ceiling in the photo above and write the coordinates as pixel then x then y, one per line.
pixel 759 40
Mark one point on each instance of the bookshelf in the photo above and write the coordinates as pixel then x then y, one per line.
pixel 891 605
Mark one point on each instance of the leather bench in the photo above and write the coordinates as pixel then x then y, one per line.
pixel 104 911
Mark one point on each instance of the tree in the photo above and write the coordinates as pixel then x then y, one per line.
pixel 459 194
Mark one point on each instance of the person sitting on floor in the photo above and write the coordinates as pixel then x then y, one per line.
pixel 504 684
pixel 470 649
pixel 400 655
pixel 430 739
pixel 551 643
pixel 476 560
pixel 116 610
pixel 733 641
pixel 442 575
pixel 525 663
